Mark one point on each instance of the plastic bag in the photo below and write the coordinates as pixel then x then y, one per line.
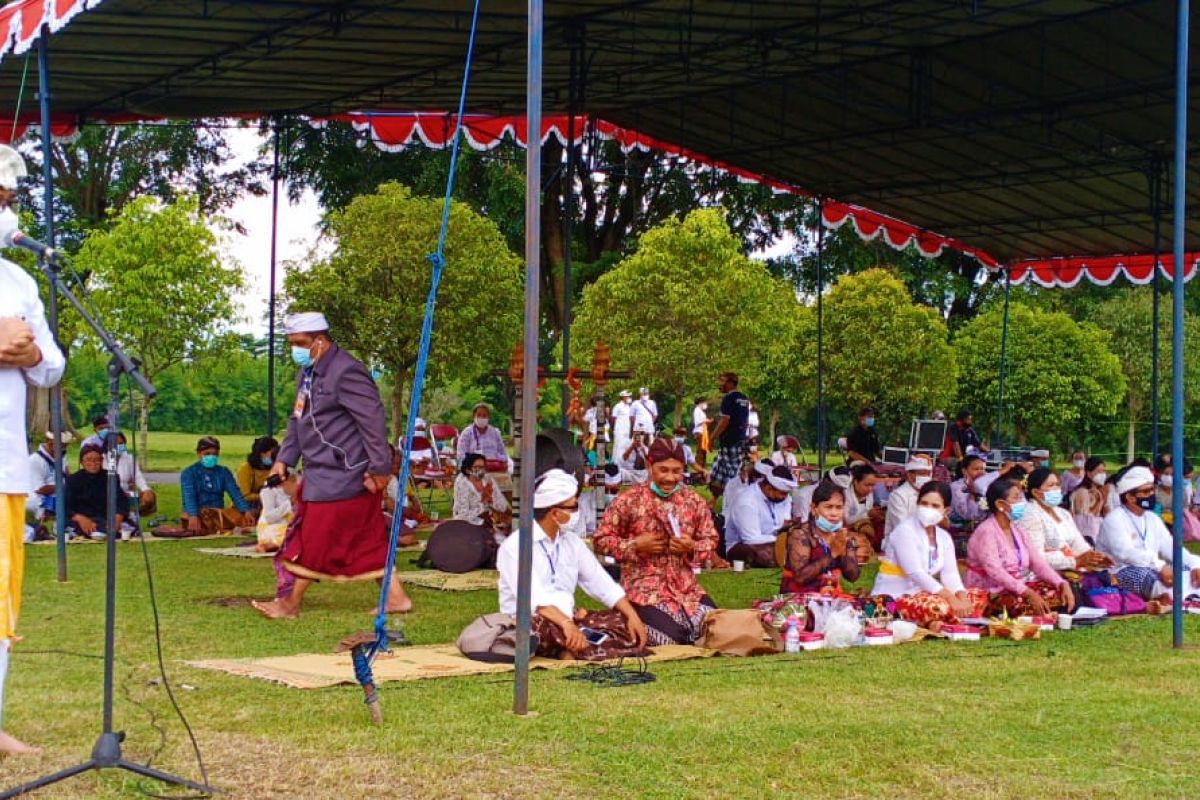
pixel 902 630
pixel 842 628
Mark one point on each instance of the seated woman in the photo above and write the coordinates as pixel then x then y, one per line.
pixel 967 491
pixel 87 496
pixel 1140 544
pixel 1052 531
pixel 477 497
pixel 919 549
pixel 862 515
pixel 1092 499
pixel 561 564
pixel 252 473
pixel 1163 493
pixel 820 552
pixel 1074 475
pixel 1002 562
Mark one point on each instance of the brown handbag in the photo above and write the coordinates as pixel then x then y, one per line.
pixel 738 632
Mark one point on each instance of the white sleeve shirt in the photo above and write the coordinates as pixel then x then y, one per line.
pixel 699 419
pixel 559 567
pixel 754 519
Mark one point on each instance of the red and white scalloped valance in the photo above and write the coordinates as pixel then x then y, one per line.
pixel 21 22
pixel 1068 272
pixel 870 225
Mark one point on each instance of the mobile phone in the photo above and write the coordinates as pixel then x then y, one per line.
pixel 594 636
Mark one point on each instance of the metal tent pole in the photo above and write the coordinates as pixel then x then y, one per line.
pixel 275 176
pixel 1003 361
pixel 1178 222
pixel 56 398
pixel 821 436
pixel 1156 212
pixel 568 225
pixel 533 229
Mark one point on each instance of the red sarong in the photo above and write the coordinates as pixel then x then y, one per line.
pixel 337 540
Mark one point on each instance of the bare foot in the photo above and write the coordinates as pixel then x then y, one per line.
pixel 566 655
pixel 11 746
pixel 274 609
pixel 396 607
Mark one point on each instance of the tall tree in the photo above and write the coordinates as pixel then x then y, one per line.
pixel 1128 316
pixel 161 284
pixel 687 305
pixel 886 350
pixel 1058 374
pixel 373 287
pixel 616 196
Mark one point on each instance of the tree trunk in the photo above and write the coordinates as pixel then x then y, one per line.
pixel 1131 442
pixel 774 424
pixel 38 413
pixel 399 406
pixel 678 409
pixel 143 453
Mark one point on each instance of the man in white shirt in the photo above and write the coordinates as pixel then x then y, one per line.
pixel 902 503
pixel 132 479
pixel 28 356
pixel 752 424
pixel 621 418
pixel 756 517
pixel 41 476
pixel 645 413
pixel 562 563
pixel 1140 544
pixel 100 426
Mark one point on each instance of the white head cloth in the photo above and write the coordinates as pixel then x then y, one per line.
pixel 305 322
pixel 764 466
pixel 626 393
pixel 554 487
pixel 780 481
pixel 918 465
pixel 1134 478
pixel 840 480
pixel 67 436
pixel 12 167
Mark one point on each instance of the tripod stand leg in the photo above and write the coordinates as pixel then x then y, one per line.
pixel 165 777
pixel 46 780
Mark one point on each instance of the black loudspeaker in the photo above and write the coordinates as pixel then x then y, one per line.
pixel 928 434
pixel 556 447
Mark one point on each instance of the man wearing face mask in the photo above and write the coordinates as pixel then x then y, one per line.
pixel 28 356
pixel 132 479
pixel 1140 544
pixel 862 442
pixel 756 517
pixel 689 459
pixel 657 532
pixel 645 413
pixel 481 437
pixel 337 429
pixel 203 487
pixel 561 564
pixel 902 503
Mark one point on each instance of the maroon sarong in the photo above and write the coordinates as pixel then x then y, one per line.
pixel 337 540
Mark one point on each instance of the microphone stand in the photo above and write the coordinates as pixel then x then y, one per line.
pixel 106 753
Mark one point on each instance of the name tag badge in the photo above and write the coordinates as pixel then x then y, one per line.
pixel 301 400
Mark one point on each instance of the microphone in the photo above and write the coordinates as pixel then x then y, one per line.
pixel 19 239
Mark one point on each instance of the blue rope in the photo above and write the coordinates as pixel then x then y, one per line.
pixel 438 260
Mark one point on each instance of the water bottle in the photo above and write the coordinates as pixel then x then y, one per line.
pixel 791 639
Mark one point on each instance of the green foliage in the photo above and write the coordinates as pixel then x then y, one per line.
pixel 685 307
pixel 160 283
pixel 1059 373
pixel 883 349
pixel 373 288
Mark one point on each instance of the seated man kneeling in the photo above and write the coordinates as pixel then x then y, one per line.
pixel 203 487
pixel 87 496
pixel 562 563
pixel 756 517
pixel 656 531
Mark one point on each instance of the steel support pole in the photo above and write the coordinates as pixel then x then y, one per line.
pixel 529 379
pixel 821 434
pixel 1156 215
pixel 56 398
pixel 1003 362
pixel 275 179
pixel 1178 222
pixel 568 232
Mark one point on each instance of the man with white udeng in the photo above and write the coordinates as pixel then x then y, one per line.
pixel 28 355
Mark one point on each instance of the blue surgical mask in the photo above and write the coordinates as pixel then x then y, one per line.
pixel 122 449
pixel 301 356
pixel 1045 462
pixel 267 461
pixel 827 526
pixel 1017 511
pixel 209 461
pixel 1054 497
pixel 870 421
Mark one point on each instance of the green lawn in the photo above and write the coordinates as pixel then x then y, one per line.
pixel 171 452
pixel 1101 712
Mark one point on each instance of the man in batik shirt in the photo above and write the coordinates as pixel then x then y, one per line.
pixel 656 532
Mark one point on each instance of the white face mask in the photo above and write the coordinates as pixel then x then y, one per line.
pixel 481 422
pixel 921 480
pixel 572 523
pixel 1099 478
pixel 1078 463
pixel 1166 481
pixel 678 440
pixel 928 516
pixel 9 222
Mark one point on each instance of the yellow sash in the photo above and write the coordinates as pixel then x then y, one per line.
pixel 888 568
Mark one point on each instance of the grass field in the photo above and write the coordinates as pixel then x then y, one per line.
pixel 1101 712
pixel 171 452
